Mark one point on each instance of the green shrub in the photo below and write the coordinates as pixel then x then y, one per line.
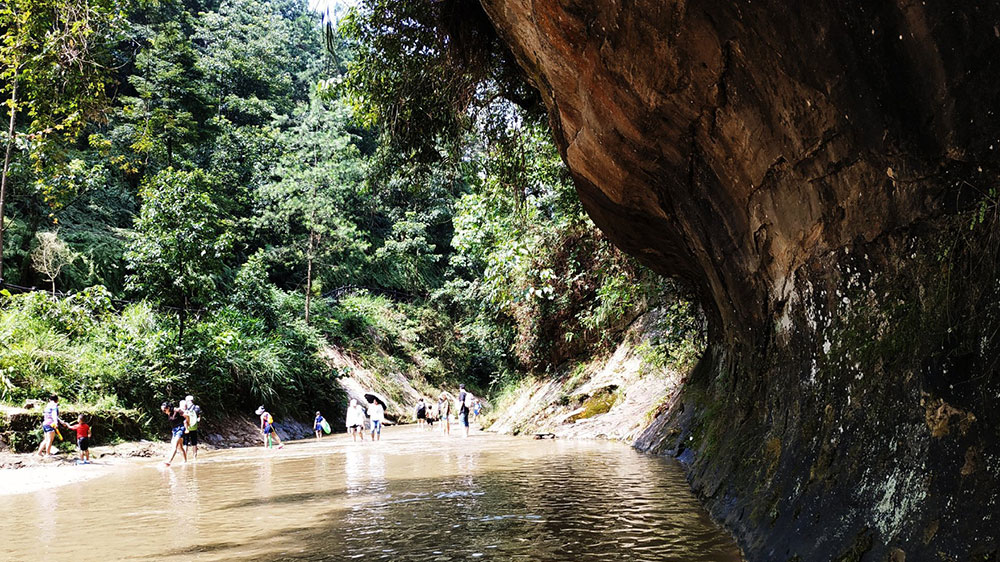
pixel 83 350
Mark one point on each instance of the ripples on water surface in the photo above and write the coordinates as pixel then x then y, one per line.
pixel 414 496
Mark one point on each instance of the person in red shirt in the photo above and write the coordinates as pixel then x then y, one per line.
pixel 82 438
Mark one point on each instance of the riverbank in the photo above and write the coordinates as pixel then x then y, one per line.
pixel 27 472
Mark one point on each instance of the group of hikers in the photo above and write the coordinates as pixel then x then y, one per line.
pixel 183 428
pixel 466 406
pixel 184 417
pixel 355 419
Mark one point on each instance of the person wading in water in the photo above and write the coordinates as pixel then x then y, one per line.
pixel 356 420
pixel 444 408
pixel 191 435
pixel 178 425
pixel 421 413
pixel 267 428
pixel 377 414
pixel 464 406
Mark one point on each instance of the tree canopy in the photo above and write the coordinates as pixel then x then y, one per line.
pixel 251 186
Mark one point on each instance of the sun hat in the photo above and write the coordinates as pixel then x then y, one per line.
pixel 259 411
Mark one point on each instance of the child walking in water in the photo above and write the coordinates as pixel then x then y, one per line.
pixel 82 439
pixel 267 428
pixel 318 425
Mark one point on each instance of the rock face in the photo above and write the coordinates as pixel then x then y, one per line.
pixel 821 173
pixel 632 385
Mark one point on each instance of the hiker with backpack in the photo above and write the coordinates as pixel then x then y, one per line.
pixel 465 399
pixel 421 413
pixel 267 428
pixel 191 434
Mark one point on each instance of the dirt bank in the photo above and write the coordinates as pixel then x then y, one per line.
pixel 399 394
pixel 613 397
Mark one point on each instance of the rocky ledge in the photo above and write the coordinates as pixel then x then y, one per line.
pixel 824 174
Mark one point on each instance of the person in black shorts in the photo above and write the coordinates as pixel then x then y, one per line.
pixel 191 440
pixel 421 413
pixel 193 412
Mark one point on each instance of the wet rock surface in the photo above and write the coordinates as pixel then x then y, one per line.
pixel 810 168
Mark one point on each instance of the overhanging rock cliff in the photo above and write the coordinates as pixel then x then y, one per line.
pixel 821 173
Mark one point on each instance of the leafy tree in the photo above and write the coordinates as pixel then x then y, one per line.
pixel 54 73
pixel 159 125
pixel 258 57
pixel 420 71
pixel 252 293
pixel 407 259
pixel 182 239
pixel 51 256
pixel 314 185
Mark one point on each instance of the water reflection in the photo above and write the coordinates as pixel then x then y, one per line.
pixel 412 496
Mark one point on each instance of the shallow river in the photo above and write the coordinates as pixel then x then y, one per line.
pixel 414 496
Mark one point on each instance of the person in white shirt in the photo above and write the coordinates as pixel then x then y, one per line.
pixel 356 420
pixel 377 414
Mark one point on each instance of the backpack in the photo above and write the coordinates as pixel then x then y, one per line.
pixel 468 400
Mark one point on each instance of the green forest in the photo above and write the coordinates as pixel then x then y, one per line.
pixel 205 194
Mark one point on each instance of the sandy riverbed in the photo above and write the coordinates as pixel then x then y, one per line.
pixel 21 473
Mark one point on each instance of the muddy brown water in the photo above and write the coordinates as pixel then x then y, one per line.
pixel 416 495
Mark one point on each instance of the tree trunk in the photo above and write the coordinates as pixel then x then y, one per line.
pixel 309 270
pixel 6 165
pixel 183 321
pixel 312 240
